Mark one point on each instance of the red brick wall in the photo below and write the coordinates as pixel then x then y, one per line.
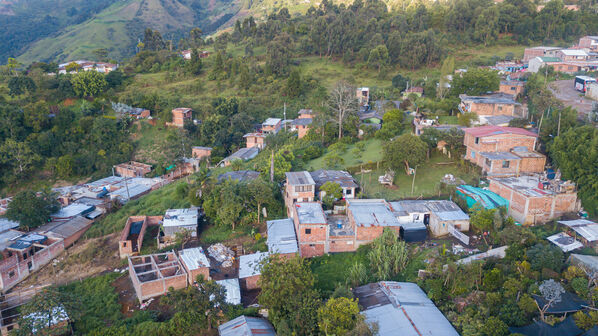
pixel 253 141
pixel 496 167
pixel 532 165
pixel 530 53
pixel 492 109
pixel 496 143
pixel 250 283
pixel 506 88
pixel 200 153
pixel 205 271
pixel 344 244
pixel 309 250
pixel 302 131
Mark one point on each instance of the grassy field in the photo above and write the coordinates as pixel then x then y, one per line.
pixel 372 153
pixel 427 179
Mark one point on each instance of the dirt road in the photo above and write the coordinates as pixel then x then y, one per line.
pixel 565 92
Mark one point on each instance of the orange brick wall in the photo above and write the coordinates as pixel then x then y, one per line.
pixel 515 90
pixel 252 141
pixel 492 109
pixel 344 244
pixel 205 271
pixel 311 250
pixel 532 165
pixel 302 131
pixel 495 143
pixel 200 153
pixel 251 282
pixel 496 167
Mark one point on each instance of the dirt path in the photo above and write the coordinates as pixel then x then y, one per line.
pixel 566 93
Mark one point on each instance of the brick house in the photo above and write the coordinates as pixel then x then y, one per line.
pixel 300 187
pixel 70 231
pixel 589 42
pixel 363 96
pixel 311 228
pixel 302 126
pixel 180 115
pixel 306 114
pixel 491 105
pixel 343 178
pixel 152 275
pixel 132 169
pixel 250 269
pixel 25 253
pixel 201 153
pixel 535 199
pixel 272 126
pixel 534 52
pixel 515 88
pixel 131 237
pixel 195 262
pixel 255 140
pixel 503 151
pixel 369 217
pixel 282 238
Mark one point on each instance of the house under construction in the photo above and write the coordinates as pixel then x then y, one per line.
pixel 152 275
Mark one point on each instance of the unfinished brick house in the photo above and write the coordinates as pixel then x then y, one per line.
pixel 531 53
pixel 272 126
pixel 180 115
pixel 250 269
pixel 311 228
pixel 23 254
pixel 131 237
pixel 369 217
pixel 152 275
pixel 199 152
pixel 300 187
pixel 492 105
pixel 302 126
pixel 255 140
pixel 534 199
pixel 196 263
pixel 514 88
pixel 132 169
pixel 503 151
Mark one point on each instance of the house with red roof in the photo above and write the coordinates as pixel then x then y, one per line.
pixel 503 151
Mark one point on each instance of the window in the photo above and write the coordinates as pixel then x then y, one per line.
pixel 307 231
pixel 500 108
pixel 513 88
pixel 488 163
pixel 9 254
pixel 25 256
pixel 477 140
pixel 505 164
pixel 473 154
pixel 124 244
pixel 11 274
pixel 304 188
pixel 349 192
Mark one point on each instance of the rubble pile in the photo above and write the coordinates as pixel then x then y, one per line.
pixel 222 254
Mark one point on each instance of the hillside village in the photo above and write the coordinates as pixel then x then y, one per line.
pixel 460 204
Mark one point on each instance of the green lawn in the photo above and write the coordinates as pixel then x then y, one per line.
pixel 427 180
pixel 372 153
pixel 333 269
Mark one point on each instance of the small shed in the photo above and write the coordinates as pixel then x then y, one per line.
pixel 196 263
pixel 246 326
pixel 250 269
pixel 233 290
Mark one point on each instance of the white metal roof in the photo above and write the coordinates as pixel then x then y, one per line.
pixel 565 242
pixel 72 210
pixel 272 121
pixel 194 258
pixel 181 217
pixel 281 236
pixel 249 265
pixel 574 52
pixel 310 213
pixel 6 224
pixel 233 290
pixel 374 212
pixel 402 308
pixel 587 229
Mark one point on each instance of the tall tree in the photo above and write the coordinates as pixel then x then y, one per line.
pixel 405 151
pixel 338 316
pixel 343 102
pixel 475 82
pixel 31 210
pixel 88 83
pixel 280 281
pixel 19 156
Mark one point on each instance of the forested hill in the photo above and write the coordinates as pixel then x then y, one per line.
pixel 49 30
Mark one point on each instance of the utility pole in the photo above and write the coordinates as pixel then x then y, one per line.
pixel 127 187
pixel 272 167
pixel 284 113
pixel 413 182
pixel 558 130
pixel 539 128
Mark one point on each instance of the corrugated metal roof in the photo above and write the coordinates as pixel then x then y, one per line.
pixel 402 308
pixel 243 154
pixel 281 236
pixel 500 156
pixel 586 260
pixel 584 227
pixel 299 178
pixel 374 212
pixel 246 326
pixel 233 290
pixel 343 178
pixel 565 242
pixel 72 210
pixel 271 121
pixel 181 217
pixel 6 238
pixel 70 227
pixel 6 224
pixel 249 265
pixel 194 258
pixel 310 213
